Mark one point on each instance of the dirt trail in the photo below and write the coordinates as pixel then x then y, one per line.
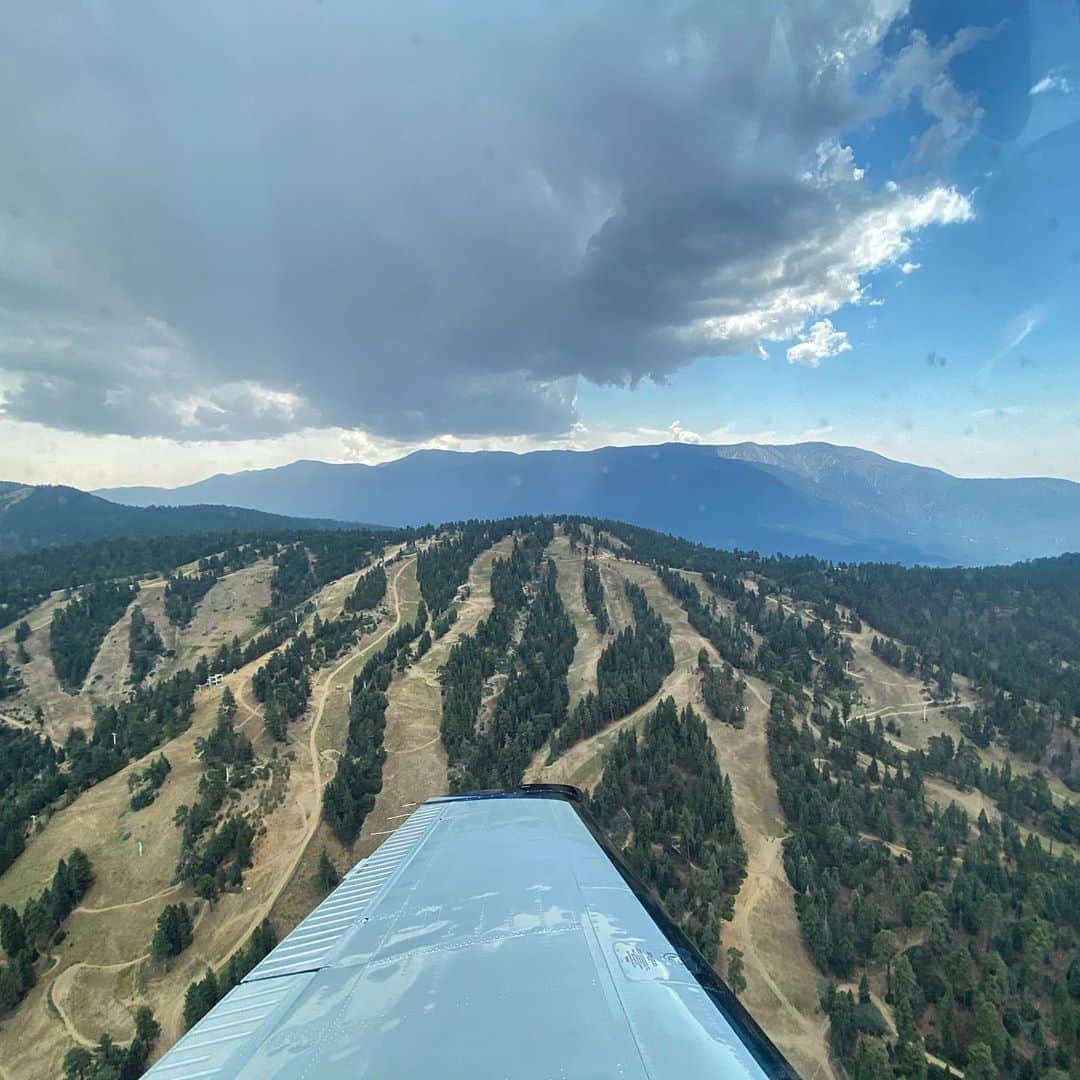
pixel 131 903
pixel 313 802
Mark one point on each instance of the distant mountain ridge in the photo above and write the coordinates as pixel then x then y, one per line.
pixel 837 502
pixel 35 516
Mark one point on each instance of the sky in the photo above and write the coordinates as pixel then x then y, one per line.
pixel 237 235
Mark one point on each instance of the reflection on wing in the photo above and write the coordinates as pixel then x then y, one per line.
pixel 489 936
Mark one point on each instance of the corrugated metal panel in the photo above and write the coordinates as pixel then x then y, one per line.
pixel 228 1035
pixel 312 944
pixel 231 1030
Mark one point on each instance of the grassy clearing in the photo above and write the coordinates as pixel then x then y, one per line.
pixel 228 610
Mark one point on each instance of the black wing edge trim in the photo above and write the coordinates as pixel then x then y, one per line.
pixel 765 1052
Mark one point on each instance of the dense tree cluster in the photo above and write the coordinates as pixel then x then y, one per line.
pixel 722 691
pixel 174 932
pixel 593 589
pixel 326 874
pixel 444 567
pixel 442 624
pixel 24 936
pixel 665 802
pixel 203 994
pixel 237 557
pixel 992 920
pixel 350 795
pixel 107 1061
pixel 225 745
pixel 144 645
pixel 79 628
pixel 475 657
pixel 319 558
pixel 293 580
pixel 630 670
pixel 368 592
pixel 30 779
pixel 283 685
pixel 215 846
pixel 183 593
pixel 534 700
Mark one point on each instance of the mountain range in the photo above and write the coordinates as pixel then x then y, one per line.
pixel 838 502
pixel 35 516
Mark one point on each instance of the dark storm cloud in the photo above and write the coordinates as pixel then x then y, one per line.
pixel 222 221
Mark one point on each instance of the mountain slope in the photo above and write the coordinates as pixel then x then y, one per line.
pixel 44 516
pixel 809 498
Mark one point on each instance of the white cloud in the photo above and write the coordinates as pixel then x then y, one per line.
pixel 818 275
pixel 683 435
pixel 909 267
pixel 1051 82
pixel 820 342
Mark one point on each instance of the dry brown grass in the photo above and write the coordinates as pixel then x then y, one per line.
pixel 108 936
pixel 228 610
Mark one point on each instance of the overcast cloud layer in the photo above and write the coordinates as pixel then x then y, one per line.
pixel 424 219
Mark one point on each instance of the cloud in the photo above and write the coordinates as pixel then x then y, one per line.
pixel 445 221
pixel 920 72
pixel 1051 82
pixel 1015 331
pixel 1018 329
pixel 909 267
pixel 820 342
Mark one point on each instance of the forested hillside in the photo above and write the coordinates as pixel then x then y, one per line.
pixel 916 731
pixel 33 517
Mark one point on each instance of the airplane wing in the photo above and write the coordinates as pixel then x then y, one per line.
pixel 491 935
